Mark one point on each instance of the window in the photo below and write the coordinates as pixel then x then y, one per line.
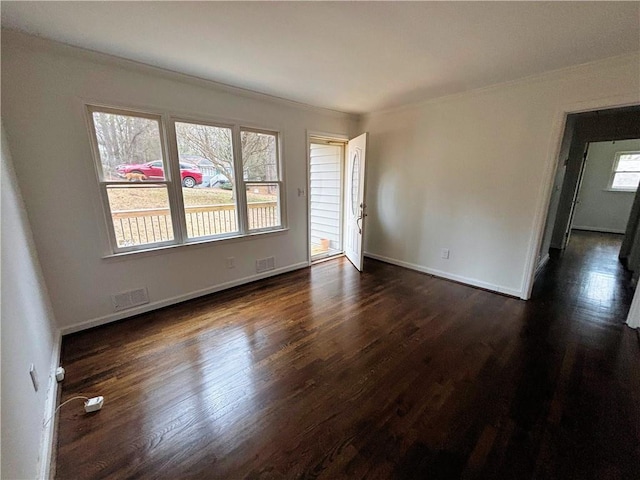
pixel 131 170
pixel 262 178
pixel 209 210
pixel 154 198
pixel 626 172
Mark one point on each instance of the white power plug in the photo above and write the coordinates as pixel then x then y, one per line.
pixel 60 374
pixel 93 404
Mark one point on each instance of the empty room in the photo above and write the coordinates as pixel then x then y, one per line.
pixel 274 240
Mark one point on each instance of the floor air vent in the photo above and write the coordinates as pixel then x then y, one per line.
pixel 265 264
pixel 130 299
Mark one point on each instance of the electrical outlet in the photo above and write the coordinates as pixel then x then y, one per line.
pixel 444 253
pixel 231 262
pixel 34 376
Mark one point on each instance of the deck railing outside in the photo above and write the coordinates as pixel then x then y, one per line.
pixel 142 226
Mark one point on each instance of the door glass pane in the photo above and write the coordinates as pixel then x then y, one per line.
pixel 263 205
pixel 140 214
pixel 355 182
pixel 259 156
pixel 208 179
pixel 130 147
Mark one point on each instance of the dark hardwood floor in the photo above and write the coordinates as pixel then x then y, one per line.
pixel 328 373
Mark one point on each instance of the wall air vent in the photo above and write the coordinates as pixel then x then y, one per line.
pixel 265 264
pixel 130 299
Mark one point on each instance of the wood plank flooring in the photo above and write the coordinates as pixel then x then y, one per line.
pixel 327 373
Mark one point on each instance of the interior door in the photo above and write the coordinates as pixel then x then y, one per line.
pixel 354 206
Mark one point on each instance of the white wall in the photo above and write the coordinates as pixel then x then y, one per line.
pixel 472 172
pixel 600 209
pixel 29 336
pixel 44 87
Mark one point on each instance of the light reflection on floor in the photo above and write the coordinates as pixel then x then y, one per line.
pixel 600 288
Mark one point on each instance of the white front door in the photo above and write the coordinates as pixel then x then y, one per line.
pixel 354 206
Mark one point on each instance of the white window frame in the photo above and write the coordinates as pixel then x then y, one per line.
pixel 169 148
pixel 278 182
pixel 614 171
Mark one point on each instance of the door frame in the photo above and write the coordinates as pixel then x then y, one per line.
pixel 546 186
pixel 576 197
pixel 335 137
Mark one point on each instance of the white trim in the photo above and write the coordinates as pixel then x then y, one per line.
pixel 599 229
pixel 446 275
pixel 95 322
pixel 546 186
pixel 619 190
pixel 633 318
pixel 326 137
pixel 542 263
pixel 47 439
pixel 544 199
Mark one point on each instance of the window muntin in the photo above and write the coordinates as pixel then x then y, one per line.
pixel 626 172
pixel 262 179
pixel 166 181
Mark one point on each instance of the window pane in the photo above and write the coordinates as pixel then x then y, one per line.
pixel 208 180
pixel 130 147
pixel 626 181
pixel 263 205
pixel 629 162
pixel 259 156
pixel 140 214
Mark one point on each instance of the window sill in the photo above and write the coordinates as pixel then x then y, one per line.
pixel 618 190
pixel 194 244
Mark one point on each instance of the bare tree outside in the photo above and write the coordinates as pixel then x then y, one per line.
pixel 124 139
pixel 259 156
pixel 212 143
pixel 215 144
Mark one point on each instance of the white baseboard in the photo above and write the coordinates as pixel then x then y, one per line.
pixel 446 275
pixel 599 229
pixel 95 322
pixel 542 263
pixel 47 440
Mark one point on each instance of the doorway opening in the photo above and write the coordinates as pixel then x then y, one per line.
pixel 326 167
pixel 594 202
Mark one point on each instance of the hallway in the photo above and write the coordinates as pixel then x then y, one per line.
pixel 584 359
pixel 587 279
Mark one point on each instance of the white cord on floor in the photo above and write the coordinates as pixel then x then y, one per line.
pixel 62 405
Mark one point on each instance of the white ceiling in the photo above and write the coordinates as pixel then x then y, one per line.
pixel 349 56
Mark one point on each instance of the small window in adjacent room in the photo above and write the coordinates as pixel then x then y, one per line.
pixel 626 172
